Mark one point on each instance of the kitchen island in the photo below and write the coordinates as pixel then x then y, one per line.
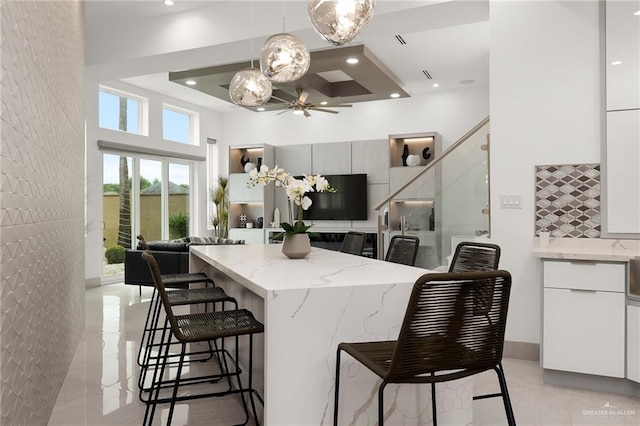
pixel 310 305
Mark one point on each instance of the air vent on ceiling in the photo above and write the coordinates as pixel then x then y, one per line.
pixel 400 39
pixel 426 73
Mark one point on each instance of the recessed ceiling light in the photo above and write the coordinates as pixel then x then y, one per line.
pixel 168 2
pixel 190 82
pixel 352 61
pixel 637 13
pixel 395 95
pixel 260 109
pixel 436 85
pixel 324 103
pixel 616 62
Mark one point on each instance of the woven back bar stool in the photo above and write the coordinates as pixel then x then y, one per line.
pixel 443 337
pixel 471 256
pixel 403 249
pixel 353 243
pixel 179 293
pixel 201 328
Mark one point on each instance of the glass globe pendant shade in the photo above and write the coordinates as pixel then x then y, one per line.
pixel 339 21
pixel 249 88
pixel 284 58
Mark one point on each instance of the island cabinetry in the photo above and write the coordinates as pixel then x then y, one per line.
pixel 584 317
pixel 247 205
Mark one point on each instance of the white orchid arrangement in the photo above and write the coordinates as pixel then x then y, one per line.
pixel 296 190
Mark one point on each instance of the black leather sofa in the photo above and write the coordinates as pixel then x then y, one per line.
pixel 172 257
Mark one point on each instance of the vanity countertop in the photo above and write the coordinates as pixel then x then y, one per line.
pixel 595 249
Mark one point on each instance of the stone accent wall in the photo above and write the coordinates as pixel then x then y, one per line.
pixel 41 203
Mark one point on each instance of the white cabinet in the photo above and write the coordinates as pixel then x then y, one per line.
pixel 240 192
pixel 633 343
pixel 623 177
pixel 584 317
pixel 250 236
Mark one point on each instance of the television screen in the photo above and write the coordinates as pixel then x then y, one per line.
pixel 349 202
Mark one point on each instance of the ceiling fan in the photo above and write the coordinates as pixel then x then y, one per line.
pixel 300 106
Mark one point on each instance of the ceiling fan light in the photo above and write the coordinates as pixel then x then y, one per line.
pixel 298 111
pixel 284 58
pixel 339 21
pixel 250 88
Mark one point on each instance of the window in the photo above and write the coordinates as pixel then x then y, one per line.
pixel 178 125
pixel 120 111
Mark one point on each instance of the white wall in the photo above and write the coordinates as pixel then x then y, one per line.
pixel 42 204
pixel 210 126
pixel 545 109
pixel 451 113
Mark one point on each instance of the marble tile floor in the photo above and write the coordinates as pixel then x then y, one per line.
pixel 100 388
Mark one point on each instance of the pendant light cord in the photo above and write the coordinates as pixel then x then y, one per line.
pixel 251 35
pixel 284 14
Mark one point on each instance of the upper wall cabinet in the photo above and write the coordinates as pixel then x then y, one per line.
pixel 621 189
pixel 623 54
pixel 331 158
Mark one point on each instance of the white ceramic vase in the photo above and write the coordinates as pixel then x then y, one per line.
pixel 296 246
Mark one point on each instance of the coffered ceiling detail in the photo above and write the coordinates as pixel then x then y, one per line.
pixel 330 78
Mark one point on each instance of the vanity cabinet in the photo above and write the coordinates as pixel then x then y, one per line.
pixel 584 317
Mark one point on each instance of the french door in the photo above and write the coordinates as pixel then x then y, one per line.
pixel 143 195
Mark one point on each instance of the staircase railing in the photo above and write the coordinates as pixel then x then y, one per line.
pixel 444 202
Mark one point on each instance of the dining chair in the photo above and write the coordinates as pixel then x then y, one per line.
pixel 403 249
pixel 201 328
pixel 472 256
pixel 353 243
pixel 443 337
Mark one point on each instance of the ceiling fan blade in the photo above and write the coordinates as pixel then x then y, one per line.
pixel 323 110
pixel 340 106
pixel 280 99
pixel 303 97
pixel 282 112
pixel 306 113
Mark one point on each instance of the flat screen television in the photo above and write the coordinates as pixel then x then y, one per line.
pixel 349 202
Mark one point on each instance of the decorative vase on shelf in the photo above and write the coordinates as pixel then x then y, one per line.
pixel 276 216
pixel 249 166
pixel 296 246
pixel 405 154
pixel 413 160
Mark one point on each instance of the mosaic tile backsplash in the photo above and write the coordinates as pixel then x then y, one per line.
pixel 568 200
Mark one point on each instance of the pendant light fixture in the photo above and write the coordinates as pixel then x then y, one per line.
pixel 249 87
pixel 284 57
pixel 339 21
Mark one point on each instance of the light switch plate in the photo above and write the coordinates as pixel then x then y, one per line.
pixel 511 201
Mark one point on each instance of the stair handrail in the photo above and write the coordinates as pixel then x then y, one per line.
pixel 435 161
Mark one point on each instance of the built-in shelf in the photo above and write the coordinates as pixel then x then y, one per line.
pixel 253 203
pixel 424 145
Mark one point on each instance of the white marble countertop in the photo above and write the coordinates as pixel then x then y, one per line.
pixel 264 269
pixel 588 249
